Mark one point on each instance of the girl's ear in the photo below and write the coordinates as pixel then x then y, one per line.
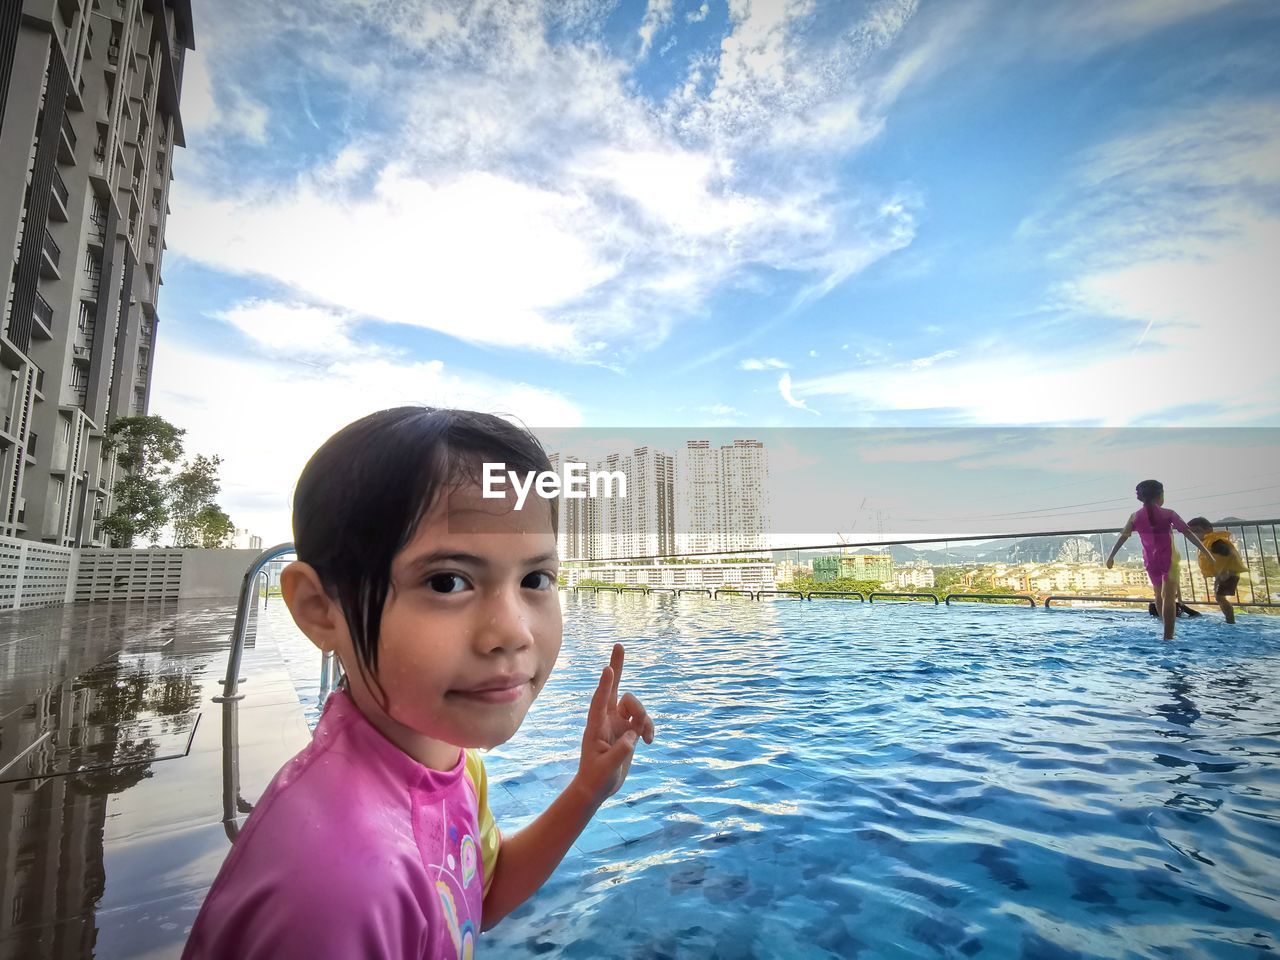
pixel 317 614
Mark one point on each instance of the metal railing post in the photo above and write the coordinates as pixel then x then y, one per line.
pixel 248 589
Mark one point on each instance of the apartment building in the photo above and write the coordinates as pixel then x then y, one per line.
pixel 722 501
pixel 89 120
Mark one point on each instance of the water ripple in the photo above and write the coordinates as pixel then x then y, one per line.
pixel 848 780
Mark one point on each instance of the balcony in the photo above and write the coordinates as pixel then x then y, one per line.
pixel 67 142
pixel 58 209
pixel 39 377
pixel 113 53
pixel 49 256
pixel 42 317
pixel 80 353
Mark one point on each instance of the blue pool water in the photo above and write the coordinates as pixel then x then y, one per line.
pixel 833 779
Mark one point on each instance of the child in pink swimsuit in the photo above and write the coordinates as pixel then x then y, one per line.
pixel 376 841
pixel 1154 524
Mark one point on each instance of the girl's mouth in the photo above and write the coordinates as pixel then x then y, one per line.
pixel 504 689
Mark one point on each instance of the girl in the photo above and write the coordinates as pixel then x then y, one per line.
pixel 376 840
pixel 1153 524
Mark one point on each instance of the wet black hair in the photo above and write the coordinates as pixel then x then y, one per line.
pixel 363 494
pixel 1199 522
pixel 1148 491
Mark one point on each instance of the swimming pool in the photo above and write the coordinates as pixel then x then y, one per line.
pixel 833 779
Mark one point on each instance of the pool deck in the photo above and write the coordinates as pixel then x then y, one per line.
pixel 121 781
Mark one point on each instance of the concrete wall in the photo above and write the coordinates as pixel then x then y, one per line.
pixel 214 573
pixel 40 574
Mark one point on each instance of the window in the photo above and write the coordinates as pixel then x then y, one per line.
pixel 66 433
pixel 78 378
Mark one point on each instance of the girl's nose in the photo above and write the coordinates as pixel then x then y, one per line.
pixel 504 624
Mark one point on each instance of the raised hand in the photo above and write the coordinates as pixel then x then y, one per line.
pixel 613 726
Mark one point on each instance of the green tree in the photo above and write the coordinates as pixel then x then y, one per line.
pixel 945 578
pixel 191 492
pixel 214 527
pixel 140 510
pixel 147 449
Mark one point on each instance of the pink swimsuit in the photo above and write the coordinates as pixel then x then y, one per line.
pixel 1157 540
pixel 355 850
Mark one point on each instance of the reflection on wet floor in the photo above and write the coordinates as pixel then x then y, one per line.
pixel 117 797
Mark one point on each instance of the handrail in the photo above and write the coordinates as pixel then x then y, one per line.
pixel 837 595
pixel 734 591
pixel 662 589
pixel 633 589
pixel 748 553
pixel 683 590
pixel 248 594
pixel 871 597
pixel 1071 596
pixel 990 596
pixel 798 594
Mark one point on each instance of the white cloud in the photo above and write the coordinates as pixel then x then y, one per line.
pixel 784 388
pixel 1169 234
pixel 478 257
pixel 921 363
pixel 813 353
pixel 267 433
pixel 989 34
pixel 697 16
pixel 723 410
pixel 527 195
pixel 294 328
pixel 778 85
pixel 657 14
pixel 763 363
pixel 237 114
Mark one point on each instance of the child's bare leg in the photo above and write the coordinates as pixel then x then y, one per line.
pixel 1228 610
pixel 1168 606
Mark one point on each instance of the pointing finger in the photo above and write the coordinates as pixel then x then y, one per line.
pixel 598 712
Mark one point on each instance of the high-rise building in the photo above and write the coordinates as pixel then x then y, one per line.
pixel 697 497
pixel 744 498
pixel 573 524
pixel 722 501
pixel 641 524
pixel 89 120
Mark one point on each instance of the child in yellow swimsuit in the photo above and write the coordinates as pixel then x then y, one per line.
pixel 1225 567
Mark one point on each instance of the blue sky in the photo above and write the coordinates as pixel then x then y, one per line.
pixel 753 214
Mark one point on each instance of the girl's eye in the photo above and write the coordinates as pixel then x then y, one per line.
pixel 538 581
pixel 446 583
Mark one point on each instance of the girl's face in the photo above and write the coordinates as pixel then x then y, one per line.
pixel 471 628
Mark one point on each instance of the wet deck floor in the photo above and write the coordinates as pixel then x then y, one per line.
pixel 117 798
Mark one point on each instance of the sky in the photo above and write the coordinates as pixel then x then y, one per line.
pixel 741 215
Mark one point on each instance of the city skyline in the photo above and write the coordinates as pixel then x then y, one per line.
pixel 699 500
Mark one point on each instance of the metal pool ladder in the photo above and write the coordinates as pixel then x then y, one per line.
pixel 248 591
